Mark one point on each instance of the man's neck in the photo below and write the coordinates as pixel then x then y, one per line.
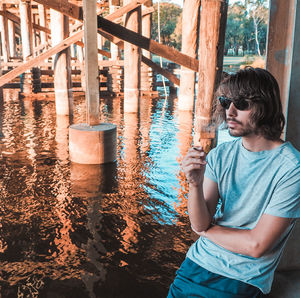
pixel 257 143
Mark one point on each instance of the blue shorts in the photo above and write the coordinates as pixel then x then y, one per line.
pixel 194 281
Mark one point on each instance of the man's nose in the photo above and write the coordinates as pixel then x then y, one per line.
pixel 231 110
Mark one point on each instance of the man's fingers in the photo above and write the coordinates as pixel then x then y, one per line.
pixel 195 160
pixel 192 167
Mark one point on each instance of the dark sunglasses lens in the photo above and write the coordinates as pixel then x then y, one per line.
pixel 225 102
pixel 241 105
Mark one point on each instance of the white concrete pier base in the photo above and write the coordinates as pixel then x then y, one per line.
pixel 95 144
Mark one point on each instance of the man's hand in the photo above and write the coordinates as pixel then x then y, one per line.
pixel 193 165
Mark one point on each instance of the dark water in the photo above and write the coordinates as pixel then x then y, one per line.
pixel 68 230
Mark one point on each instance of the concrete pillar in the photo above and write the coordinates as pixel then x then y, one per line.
pixel 283 62
pixel 12 38
pixel 4 36
pixel 132 63
pixel 92 142
pixel 190 16
pixel 61 64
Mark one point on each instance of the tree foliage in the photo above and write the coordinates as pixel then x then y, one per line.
pixel 247 27
pixel 246 30
pixel 170 17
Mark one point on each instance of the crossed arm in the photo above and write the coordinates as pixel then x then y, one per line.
pixel 255 242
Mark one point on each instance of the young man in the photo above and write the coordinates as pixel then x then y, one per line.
pixel 244 198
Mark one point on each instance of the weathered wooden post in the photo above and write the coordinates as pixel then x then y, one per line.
pixel 283 61
pixel 146 72
pixel 4 35
pixel 132 63
pixel 116 73
pixel 190 16
pixel 12 38
pixel 114 50
pixel 92 142
pixel 27 45
pixel 26 28
pixel 61 65
pixel 43 22
pixel 212 32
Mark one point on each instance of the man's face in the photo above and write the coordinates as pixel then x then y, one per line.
pixel 238 122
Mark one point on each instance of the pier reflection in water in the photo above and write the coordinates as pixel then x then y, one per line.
pixel 71 230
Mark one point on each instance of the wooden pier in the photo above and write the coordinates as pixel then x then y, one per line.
pixel 44 53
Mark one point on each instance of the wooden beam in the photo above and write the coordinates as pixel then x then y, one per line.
pixel 171 77
pixel 68 9
pixel 119 31
pixel 41 28
pixel 147 11
pixel 125 9
pixel 16 20
pixel 40 59
pixel 14 2
pixel 76 12
pixel 147 44
pixel 111 38
pixel 102 52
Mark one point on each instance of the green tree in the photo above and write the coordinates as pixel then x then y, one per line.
pixel 170 15
pixel 258 13
pixel 247 26
pixel 235 28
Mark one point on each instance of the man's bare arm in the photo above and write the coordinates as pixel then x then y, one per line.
pixel 202 204
pixel 255 242
pixel 203 192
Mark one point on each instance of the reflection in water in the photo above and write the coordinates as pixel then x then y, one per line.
pixel 185 125
pixel 70 230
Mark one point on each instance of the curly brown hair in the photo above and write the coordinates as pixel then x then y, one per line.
pixel 261 90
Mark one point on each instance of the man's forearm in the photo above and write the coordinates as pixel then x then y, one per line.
pixel 236 240
pixel 199 214
pixel 255 242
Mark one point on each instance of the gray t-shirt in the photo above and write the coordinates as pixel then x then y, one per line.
pixel 250 184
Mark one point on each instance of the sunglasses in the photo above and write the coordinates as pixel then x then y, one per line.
pixel 240 104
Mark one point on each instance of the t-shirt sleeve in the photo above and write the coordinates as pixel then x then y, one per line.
pixel 285 201
pixel 210 166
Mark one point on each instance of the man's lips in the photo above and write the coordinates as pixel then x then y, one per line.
pixel 231 122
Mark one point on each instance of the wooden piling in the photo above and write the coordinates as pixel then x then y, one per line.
pixel 132 62
pixel 283 62
pixel 4 35
pixel 27 45
pixel 91 68
pixel 114 49
pixel 61 65
pixel 146 71
pixel 211 44
pixel 26 28
pixel 190 16
pixel 12 39
pixel 43 22
pixel 92 142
